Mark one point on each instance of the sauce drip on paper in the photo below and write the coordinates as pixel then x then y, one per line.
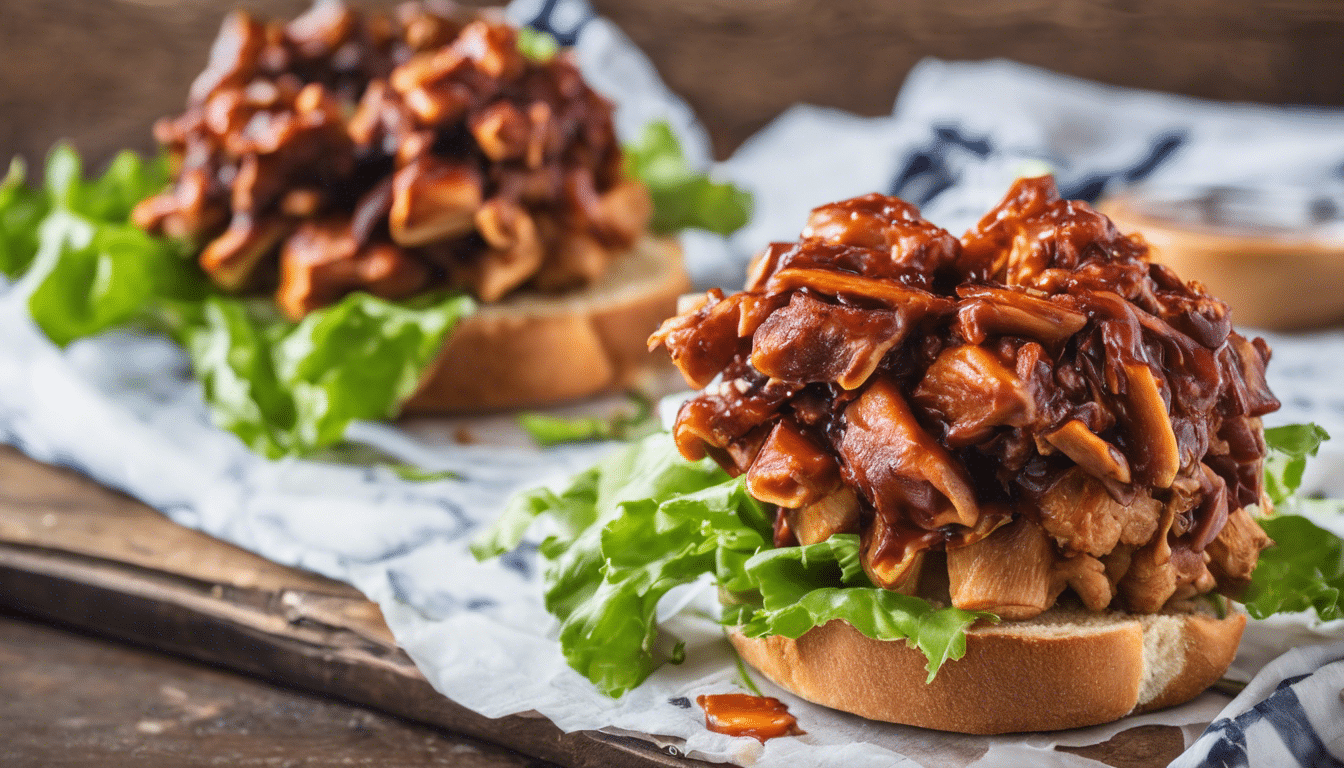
pixel 738 714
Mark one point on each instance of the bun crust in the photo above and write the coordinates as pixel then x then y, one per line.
pixel 1063 669
pixel 535 348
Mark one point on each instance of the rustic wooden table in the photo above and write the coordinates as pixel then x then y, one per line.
pixel 99 71
pixel 79 555
pixel 76 700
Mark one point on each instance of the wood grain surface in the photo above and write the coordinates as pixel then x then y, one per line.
pixel 77 554
pixel 74 700
pixel 100 71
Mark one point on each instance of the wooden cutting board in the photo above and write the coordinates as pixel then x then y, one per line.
pixel 76 553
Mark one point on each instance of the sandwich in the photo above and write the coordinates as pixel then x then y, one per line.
pixel 361 216
pixel 997 483
pixel 401 157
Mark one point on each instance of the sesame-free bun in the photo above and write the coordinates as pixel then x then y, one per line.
pixel 1062 669
pixel 534 348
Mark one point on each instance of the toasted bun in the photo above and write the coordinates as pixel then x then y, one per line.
pixel 535 348
pixel 1063 669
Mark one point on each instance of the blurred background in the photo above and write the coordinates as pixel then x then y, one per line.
pixel 100 71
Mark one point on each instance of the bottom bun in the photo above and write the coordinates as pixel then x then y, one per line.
pixel 1063 669
pixel 535 348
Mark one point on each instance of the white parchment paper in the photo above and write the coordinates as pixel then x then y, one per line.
pixel 123 409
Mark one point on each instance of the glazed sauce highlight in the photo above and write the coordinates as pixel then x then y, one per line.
pixel 1040 390
pixel 737 714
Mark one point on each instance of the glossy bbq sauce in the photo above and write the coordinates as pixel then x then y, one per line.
pixel 737 714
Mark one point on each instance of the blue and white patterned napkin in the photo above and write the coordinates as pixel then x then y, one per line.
pixel 1291 714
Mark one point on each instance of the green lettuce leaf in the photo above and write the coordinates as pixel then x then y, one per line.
pixel 127 180
pixel 21 212
pixel 91 276
pixel 645 520
pixel 537 45
pixel 294 389
pixel 1303 570
pixel 413 474
pixel 1289 448
pixel 88 268
pixel 231 355
pixel 546 429
pixel 792 602
pixel 359 359
pixel 574 509
pixel 615 557
pixel 682 197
